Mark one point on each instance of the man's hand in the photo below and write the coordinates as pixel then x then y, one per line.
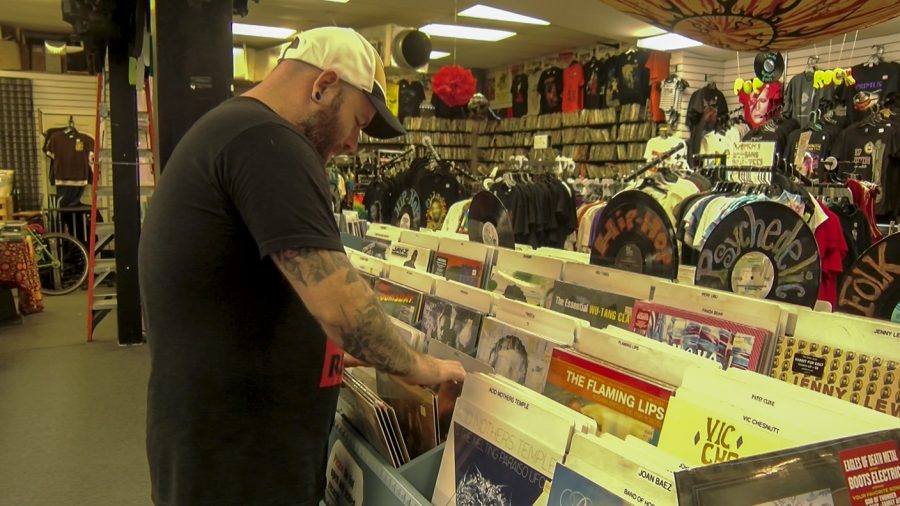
pixel 432 371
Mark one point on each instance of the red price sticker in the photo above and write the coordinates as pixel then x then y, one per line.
pixel 872 474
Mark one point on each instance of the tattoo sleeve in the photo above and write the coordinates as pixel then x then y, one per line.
pixel 344 304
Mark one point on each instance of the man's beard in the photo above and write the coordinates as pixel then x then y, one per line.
pixel 322 128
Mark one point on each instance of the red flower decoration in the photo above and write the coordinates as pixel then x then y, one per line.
pixel 454 85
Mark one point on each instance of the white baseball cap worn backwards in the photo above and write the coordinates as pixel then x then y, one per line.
pixel 348 53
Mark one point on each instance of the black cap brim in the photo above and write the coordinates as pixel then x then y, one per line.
pixel 384 124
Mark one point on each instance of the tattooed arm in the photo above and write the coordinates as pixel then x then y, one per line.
pixel 348 311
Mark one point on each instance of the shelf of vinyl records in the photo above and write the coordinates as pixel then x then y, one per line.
pixel 611 385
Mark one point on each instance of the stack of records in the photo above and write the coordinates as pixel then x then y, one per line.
pixel 597 307
pixel 371 416
pixel 525 278
pixel 515 353
pixel 462 261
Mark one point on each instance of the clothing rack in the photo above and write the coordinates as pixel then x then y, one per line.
pixel 654 162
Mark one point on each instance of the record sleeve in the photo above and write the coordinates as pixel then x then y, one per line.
pixel 622 402
pixel 415 410
pixel 489 222
pixel 730 344
pixel 452 324
pixel 362 414
pixel 407 255
pixel 459 269
pixel 871 287
pixel 517 354
pixel 859 470
pixel 600 309
pixel 763 250
pixel 569 488
pixel 635 234
pixel 399 301
pixel 521 286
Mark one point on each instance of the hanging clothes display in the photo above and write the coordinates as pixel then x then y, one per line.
pixel 550 88
pixel 412 94
pixel 801 98
pixel 519 91
pixel 870 152
pixel 70 152
pixel 658 68
pixel 705 108
pixel 876 82
pixel 634 77
pixel 542 209
pixel 594 84
pixel 573 88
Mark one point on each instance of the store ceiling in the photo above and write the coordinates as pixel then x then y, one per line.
pixel 574 23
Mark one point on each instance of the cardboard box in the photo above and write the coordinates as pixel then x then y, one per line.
pixel 10 56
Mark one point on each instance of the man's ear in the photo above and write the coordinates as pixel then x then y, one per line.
pixel 327 80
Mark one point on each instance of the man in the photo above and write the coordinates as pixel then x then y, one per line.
pixel 243 275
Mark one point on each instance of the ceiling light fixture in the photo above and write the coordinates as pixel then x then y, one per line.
pixel 493 13
pixel 667 42
pixel 271 32
pixel 466 32
pixel 437 55
pixel 338 1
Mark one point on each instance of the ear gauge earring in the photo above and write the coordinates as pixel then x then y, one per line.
pixel 318 96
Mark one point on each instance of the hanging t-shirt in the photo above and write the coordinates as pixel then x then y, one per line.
pixel 550 87
pixel 800 98
pixel 412 94
pixel 519 91
pixel 704 108
pixel 593 89
pixel 874 84
pixel 832 249
pixel 856 231
pixel 869 149
pixel 634 78
pixel 658 68
pixel 758 106
pixel 378 202
pixel 774 131
pixel 71 153
pixel 611 68
pixel 806 149
pixel 534 96
pixel 438 191
pixel 392 97
pixel 573 88
pixel 659 145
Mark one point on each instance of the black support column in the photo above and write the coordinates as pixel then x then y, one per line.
pixel 126 185
pixel 193 65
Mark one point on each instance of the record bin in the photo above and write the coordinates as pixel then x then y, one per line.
pixel 383 485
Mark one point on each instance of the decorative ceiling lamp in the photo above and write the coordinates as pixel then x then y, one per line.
pixel 754 25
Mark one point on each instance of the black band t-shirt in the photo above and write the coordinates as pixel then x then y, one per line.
pixel 244 382
pixel 519 90
pixel 550 87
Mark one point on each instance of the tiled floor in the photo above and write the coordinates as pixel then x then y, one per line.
pixel 72 414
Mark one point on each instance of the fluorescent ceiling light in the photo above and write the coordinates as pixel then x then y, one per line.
pixel 338 1
pixel 271 32
pixel 668 42
pixel 465 32
pixel 493 13
pixel 437 55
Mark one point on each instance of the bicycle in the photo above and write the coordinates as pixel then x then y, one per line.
pixel 62 260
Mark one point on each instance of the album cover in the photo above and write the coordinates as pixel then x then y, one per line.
pixel 731 344
pixel 411 335
pixel 488 461
pixel 622 402
pixel 401 302
pixel 415 410
pixel 600 309
pixel 865 379
pixel 521 286
pixel 368 278
pixel 452 324
pixel 407 255
pixel 856 470
pixel 459 269
pixel 515 353
pixel 707 433
pixel 569 488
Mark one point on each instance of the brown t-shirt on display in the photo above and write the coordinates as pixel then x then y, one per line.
pixel 71 154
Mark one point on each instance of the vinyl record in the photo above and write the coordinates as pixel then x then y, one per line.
pixel 768 66
pixel 408 210
pixel 762 250
pixel 871 287
pixel 634 234
pixel 490 222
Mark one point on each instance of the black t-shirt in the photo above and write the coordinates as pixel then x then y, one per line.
pixel 243 382
pixel 594 85
pixel 816 146
pixel 378 201
pixel 519 90
pixel 409 99
pixel 634 78
pixel 438 191
pixel 774 131
pixel 550 86
pixel 873 85
pixel 870 152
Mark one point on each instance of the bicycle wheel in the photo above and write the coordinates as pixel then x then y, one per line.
pixel 65 264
